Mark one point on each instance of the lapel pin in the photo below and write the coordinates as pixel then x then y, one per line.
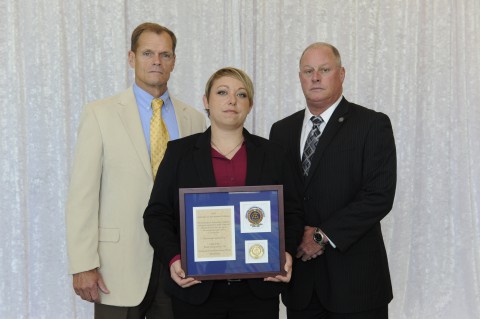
pixel 340 119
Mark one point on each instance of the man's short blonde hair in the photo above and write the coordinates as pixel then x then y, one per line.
pixel 335 51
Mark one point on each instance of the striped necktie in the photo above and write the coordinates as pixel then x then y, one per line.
pixel 311 144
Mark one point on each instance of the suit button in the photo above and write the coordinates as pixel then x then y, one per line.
pixel 306 198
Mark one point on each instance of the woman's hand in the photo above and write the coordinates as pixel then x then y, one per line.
pixel 288 269
pixel 178 275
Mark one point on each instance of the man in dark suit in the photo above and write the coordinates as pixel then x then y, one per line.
pixel 345 159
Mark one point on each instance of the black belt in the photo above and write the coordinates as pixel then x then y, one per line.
pixel 234 280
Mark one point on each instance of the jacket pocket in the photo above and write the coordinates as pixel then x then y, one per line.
pixel 109 235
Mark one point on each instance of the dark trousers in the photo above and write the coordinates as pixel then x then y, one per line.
pixel 155 305
pixel 228 300
pixel 315 310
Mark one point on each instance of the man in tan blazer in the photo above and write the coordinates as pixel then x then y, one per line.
pixel 109 254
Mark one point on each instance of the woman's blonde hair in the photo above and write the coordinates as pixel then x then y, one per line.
pixel 233 73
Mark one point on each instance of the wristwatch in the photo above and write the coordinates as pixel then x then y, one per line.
pixel 318 237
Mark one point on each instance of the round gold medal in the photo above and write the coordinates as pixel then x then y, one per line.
pixel 256 251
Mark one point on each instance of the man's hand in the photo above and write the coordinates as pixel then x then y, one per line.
pixel 308 248
pixel 288 269
pixel 87 283
pixel 178 275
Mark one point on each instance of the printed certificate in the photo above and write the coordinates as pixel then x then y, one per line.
pixel 214 233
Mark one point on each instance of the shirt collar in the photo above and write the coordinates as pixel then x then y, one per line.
pixel 144 99
pixel 326 115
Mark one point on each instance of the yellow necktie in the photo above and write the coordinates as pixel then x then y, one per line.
pixel 158 136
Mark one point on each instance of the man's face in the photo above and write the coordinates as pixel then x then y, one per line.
pixel 153 62
pixel 321 77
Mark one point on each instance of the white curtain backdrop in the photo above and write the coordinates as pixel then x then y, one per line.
pixel 418 61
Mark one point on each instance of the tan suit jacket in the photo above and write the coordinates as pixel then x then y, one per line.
pixel 109 190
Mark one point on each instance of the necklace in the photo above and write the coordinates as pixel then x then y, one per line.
pixel 221 152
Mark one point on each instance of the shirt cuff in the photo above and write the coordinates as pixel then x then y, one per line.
pixel 174 259
pixel 330 242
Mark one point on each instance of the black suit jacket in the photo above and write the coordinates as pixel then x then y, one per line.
pixel 188 163
pixel 349 189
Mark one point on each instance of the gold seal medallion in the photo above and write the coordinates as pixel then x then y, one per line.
pixel 256 251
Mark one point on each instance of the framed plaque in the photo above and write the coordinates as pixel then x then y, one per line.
pixel 232 232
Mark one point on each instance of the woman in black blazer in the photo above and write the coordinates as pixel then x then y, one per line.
pixel 226 154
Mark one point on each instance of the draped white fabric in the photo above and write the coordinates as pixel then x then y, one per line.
pixel 418 61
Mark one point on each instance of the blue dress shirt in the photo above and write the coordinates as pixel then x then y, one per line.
pixel 144 104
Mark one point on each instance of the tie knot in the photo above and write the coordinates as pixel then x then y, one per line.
pixel 157 104
pixel 316 120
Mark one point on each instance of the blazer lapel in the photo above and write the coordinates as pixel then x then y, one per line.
pixel 128 113
pixel 295 141
pixel 255 160
pixel 183 120
pixel 334 124
pixel 202 159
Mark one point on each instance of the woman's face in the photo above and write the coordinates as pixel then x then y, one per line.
pixel 228 103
